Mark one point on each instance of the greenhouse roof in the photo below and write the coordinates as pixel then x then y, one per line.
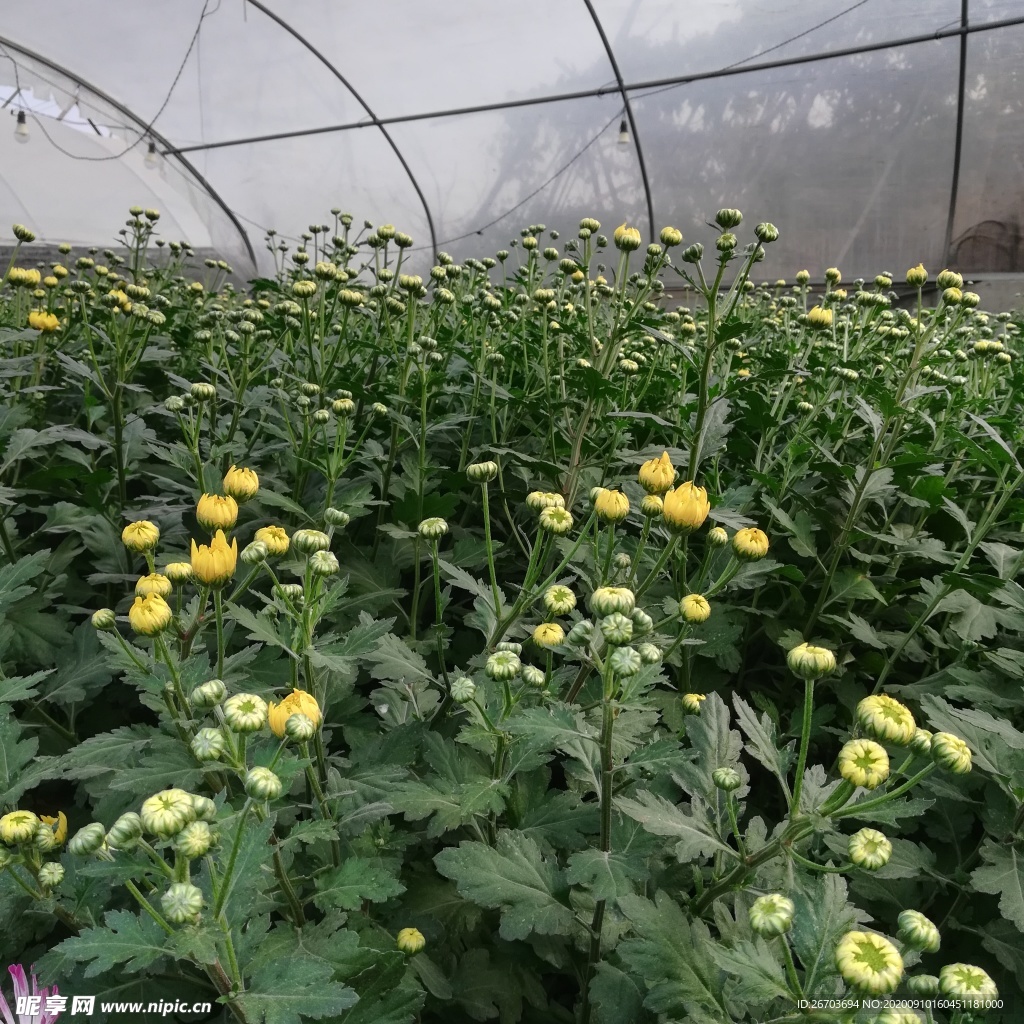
pixel 873 134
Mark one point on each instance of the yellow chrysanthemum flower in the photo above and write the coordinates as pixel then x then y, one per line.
pixel 657 475
pixel 214 564
pixel 59 825
pixel 140 536
pixel 18 827
pixel 154 583
pixel 820 318
pixel 750 544
pixel 548 634
pixel 275 538
pixel 150 615
pixel 695 608
pixel 692 701
pixel 241 484
pixel 685 508
pixel 611 506
pixel 42 321
pixel 298 702
pixel 217 512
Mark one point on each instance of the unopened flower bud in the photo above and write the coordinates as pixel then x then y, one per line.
pixel 254 553
pixel 463 690
pixel 809 662
pixel 771 915
pixel 103 619
pixel 323 563
pixel 482 472
pixel 410 941
pixel 726 779
pixel 869 849
pixel 262 784
pixel 433 529
pixel 918 932
pixel 182 903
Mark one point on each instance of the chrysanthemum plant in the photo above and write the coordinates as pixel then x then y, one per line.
pixel 498 642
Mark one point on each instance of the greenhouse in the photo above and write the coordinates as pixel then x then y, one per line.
pixel 512 512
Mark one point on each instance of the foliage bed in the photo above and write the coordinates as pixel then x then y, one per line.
pixel 505 801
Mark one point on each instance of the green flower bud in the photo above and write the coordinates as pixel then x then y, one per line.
pixel 917 932
pixel 336 517
pixel 254 553
pixel 925 985
pixel 125 833
pixel 194 840
pixel 642 622
pixel 433 529
pixel 245 712
pixel 323 563
pixel 208 745
pixel 950 752
pixel 606 600
pixel 580 633
pixel 203 392
pixel 509 645
pixel 208 694
pixel 727 779
pixel 533 676
pixel 559 600
pixel 262 784
pixel 182 903
pixel 51 875
pixel 869 849
pixel 463 690
pixel 625 661
pixel 616 628
pixel 87 840
pixel 649 654
pixel 482 472
pixel 921 742
pixel 205 809
pixel 299 728
pixel 809 662
pixel 728 218
pixel 883 718
pixel 718 537
pixel 771 915
pixel 503 665
pixel 166 813
pixel 967 982
pixel 103 619
pixel 766 233
pixel 307 542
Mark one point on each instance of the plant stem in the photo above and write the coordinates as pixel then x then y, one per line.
pixel 805 739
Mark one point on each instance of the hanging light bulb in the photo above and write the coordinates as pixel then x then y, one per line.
pixel 152 159
pixel 21 133
pixel 623 133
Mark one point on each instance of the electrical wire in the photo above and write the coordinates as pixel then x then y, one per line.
pixel 540 188
pixel 147 128
pixel 761 53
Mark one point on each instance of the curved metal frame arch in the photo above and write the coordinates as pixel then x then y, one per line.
pixel 624 92
pixel 133 117
pixel 303 41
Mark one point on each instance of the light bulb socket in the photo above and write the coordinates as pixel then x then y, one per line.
pixel 623 133
pixel 21 128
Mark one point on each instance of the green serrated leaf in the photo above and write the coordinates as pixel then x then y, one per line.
pixel 692 829
pixel 287 990
pixel 513 876
pixel 356 880
pixel 1002 875
pixel 672 955
pixel 129 942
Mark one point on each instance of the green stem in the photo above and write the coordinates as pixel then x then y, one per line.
pixel 805 739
